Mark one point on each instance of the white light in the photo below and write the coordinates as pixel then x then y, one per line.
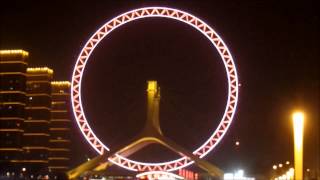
pixel 159 175
pixel 228 176
pixel 239 174
pixel 298 116
pixel 24 169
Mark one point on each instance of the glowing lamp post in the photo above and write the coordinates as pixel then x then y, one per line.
pixel 298 120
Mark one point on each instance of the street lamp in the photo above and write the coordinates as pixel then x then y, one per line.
pixel 298 122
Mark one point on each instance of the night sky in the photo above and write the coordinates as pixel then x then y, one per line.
pixel 275 47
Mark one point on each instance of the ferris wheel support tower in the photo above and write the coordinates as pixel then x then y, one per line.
pixel 151 134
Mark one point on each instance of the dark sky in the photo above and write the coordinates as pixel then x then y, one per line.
pixel 275 47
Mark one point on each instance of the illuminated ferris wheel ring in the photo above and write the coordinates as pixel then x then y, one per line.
pixel 136 14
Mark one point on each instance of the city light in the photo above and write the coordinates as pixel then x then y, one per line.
pixel 40 69
pixel 14 51
pixel 61 83
pixel 53 129
pixel 158 175
pixel 238 175
pixel 228 176
pixel 298 123
pixel 289 175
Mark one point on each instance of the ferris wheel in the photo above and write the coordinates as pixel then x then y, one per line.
pixel 116 156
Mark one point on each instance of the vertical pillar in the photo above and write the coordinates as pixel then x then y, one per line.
pixel 298 123
pixel 153 106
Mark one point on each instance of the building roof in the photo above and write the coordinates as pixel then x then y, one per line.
pixel 37 70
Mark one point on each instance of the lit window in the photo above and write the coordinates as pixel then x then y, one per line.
pixel 11 88
pixel 61 91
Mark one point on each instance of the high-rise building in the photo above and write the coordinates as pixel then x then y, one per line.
pixel 59 152
pixel 34 118
pixel 13 67
pixel 36 125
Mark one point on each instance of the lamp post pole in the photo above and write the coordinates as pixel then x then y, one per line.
pixel 298 123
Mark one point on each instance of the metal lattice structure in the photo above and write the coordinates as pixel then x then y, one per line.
pixel 133 15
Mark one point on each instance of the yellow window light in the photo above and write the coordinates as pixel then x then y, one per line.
pixel 40 70
pixel 14 52
pixel 61 83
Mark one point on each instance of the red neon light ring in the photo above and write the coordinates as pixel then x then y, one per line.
pixel 170 13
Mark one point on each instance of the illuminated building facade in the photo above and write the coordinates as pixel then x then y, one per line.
pixel 59 145
pixel 34 118
pixel 38 115
pixel 13 65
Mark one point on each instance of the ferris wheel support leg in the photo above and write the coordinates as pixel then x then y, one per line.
pixel 162 140
pixel 101 162
pixel 201 163
pixel 91 164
